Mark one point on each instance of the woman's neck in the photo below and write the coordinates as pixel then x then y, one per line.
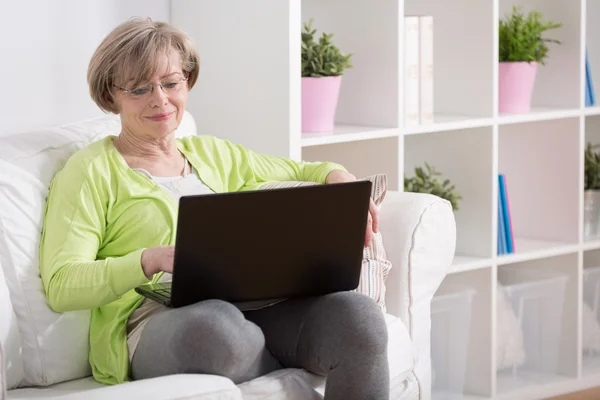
pixel 151 149
pixel 160 157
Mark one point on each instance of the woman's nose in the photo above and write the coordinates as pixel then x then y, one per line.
pixel 158 97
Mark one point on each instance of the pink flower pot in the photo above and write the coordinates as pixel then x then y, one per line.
pixel 319 102
pixel 515 86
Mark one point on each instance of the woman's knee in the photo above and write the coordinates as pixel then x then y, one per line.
pixel 356 321
pixel 218 334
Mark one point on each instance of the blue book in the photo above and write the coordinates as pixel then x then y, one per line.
pixel 505 216
pixel 501 228
pixel 588 94
pixel 590 98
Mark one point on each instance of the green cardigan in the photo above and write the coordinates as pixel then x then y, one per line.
pixel 100 215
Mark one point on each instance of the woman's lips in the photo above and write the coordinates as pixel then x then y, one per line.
pixel 160 117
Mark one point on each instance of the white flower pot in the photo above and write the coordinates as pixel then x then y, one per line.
pixel 591 213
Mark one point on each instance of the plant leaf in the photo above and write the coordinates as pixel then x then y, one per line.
pixel 321 57
pixel 520 37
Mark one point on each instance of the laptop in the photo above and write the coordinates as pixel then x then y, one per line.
pixel 267 244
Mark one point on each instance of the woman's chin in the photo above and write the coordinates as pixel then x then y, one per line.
pixel 162 128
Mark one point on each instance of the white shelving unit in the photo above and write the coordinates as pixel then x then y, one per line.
pixel 249 91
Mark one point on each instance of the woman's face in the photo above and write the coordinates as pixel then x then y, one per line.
pixel 151 111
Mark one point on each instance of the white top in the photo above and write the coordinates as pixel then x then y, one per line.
pixel 181 185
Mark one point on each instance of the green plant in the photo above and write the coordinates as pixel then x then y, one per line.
pixel 322 57
pixel 592 167
pixel 520 37
pixel 430 180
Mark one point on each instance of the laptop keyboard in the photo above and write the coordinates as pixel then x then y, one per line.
pixel 163 292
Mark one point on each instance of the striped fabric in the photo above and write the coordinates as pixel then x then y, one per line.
pixel 375 265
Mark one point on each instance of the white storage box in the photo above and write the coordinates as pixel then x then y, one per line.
pixel 450 324
pixel 537 298
pixel 591 319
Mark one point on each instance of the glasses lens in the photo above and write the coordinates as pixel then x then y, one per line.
pixel 141 91
pixel 169 86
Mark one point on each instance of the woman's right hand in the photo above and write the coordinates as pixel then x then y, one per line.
pixel 157 259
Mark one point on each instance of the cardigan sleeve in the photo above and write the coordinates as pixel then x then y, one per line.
pixel 74 224
pixel 253 167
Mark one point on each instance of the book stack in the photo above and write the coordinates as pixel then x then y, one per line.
pixel 418 70
pixel 590 97
pixel 506 240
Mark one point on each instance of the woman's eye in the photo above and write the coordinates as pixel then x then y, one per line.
pixel 170 85
pixel 140 91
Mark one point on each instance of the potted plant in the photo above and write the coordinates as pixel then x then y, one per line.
pixel 591 194
pixel 521 49
pixel 323 65
pixel 430 180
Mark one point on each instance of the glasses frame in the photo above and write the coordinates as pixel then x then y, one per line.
pixel 129 92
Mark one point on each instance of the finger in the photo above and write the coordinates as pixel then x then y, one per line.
pixel 368 235
pixel 374 210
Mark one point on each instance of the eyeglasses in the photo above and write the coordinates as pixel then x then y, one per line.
pixel 170 86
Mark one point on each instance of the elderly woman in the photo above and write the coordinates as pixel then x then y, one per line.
pixel 110 223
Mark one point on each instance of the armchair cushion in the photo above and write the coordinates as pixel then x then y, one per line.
pixel 183 386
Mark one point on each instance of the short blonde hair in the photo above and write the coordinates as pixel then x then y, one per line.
pixel 130 53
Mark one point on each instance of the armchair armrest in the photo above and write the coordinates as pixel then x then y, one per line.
pixel 419 234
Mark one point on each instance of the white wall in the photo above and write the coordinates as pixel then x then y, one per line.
pixel 45 47
pixel 248 90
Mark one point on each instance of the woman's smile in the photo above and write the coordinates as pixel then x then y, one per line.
pixel 160 117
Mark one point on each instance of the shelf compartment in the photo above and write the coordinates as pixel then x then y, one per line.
pixel 542 295
pixel 450 322
pixel 472 176
pixel 541 163
pixel 591 320
pixel 564 60
pixel 370 89
pixel 591 232
pixel 361 158
pixel 347 133
pixel 446 122
pixel 478 353
pixel 462 85
pixel 592 42
pixel 590 313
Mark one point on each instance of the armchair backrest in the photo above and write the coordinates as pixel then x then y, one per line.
pixel 47 347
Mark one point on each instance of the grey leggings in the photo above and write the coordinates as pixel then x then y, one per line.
pixel 342 336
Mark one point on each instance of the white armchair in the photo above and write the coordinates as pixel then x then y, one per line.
pixel 43 354
pixel 420 237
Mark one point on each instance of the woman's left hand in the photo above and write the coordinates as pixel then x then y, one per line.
pixel 339 176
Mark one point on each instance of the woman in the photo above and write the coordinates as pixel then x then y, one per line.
pixel 110 227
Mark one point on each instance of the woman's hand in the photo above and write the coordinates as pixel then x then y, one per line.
pixel 339 176
pixel 157 259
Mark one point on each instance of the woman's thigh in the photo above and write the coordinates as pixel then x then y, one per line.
pixel 210 337
pixel 319 333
